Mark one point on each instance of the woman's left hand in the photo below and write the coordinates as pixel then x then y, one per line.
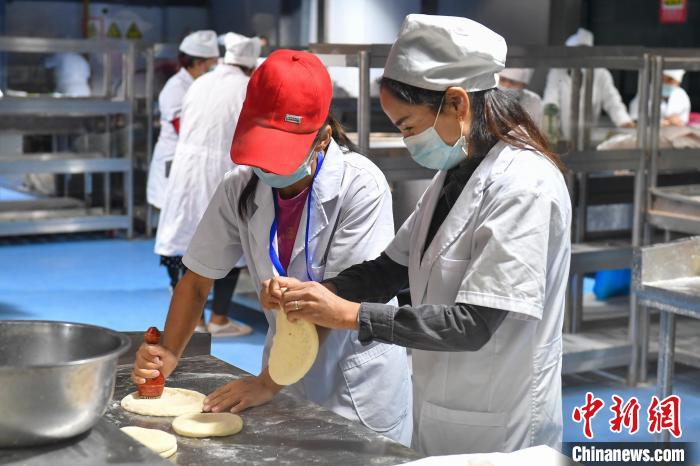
pixel 239 395
pixel 314 302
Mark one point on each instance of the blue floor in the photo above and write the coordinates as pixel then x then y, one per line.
pixel 110 282
pixel 7 194
pixel 119 284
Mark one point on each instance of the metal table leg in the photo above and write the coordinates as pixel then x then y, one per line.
pixel 568 306
pixel 576 302
pixel 644 323
pixel 667 344
pixel 633 335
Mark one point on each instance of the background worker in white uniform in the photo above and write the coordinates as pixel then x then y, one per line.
pixel 675 103
pixel 485 254
pixel 71 73
pixel 306 206
pixel 199 52
pixel 557 91
pixel 515 81
pixel 210 112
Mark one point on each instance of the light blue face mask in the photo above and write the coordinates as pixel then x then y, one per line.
pixel 280 181
pixel 666 90
pixel 429 150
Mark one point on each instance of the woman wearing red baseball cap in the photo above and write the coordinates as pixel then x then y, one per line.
pixel 302 203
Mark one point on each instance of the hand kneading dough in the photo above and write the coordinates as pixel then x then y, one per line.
pixel 208 424
pixel 160 442
pixel 173 402
pixel 294 350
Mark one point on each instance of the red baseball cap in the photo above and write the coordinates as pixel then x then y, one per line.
pixel 287 102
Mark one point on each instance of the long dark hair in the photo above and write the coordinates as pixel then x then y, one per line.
pixel 496 116
pixel 338 134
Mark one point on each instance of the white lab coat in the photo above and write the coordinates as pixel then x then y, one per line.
pixel 504 245
pixel 532 103
pixel 72 73
pixel 351 221
pixel 605 97
pixel 170 106
pixel 210 113
pixel 677 104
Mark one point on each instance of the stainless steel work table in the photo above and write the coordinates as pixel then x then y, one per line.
pixel 286 431
pixel 667 278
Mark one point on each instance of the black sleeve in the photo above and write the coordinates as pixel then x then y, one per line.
pixel 375 281
pixel 431 327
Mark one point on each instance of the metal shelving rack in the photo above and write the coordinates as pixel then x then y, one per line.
pixel 669 209
pixel 595 349
pixel 67 215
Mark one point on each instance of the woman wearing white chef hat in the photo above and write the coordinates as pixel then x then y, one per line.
pixel 485 253
pixel 198 52
pixel 675 103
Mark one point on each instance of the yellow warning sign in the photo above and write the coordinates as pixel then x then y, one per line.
pixel 133 32
pixel 113 32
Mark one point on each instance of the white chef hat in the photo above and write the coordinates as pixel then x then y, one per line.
pixel 521 75
pixel 241 50
pixel 581 37
pixel 202 44
pixel 676 75
pixel 438 52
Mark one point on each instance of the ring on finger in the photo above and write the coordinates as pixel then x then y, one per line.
pixel 296 305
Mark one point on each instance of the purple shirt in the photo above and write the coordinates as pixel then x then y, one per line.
pixel 289 217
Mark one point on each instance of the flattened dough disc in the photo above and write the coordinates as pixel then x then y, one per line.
pixel 294 350
pixel 208 424
pixel 160 442
pixel 173 402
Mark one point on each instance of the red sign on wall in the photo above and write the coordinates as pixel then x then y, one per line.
pixel 673 11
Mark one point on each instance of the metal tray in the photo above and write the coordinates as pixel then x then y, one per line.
pixel 677 200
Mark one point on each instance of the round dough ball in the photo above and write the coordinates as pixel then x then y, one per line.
pixel 173 402
pixel 208 424
pixel 294 349
pixel 160 442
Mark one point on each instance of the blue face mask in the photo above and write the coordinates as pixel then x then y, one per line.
pixel 280 181
pixel 666 90
pixel 429 150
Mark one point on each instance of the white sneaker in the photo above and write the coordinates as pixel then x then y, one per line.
pixel 229 329
pixel 200 328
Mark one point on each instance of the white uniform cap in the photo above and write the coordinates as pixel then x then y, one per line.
pixel 677 75
pixel 241 50
pixel 438 52
pixel 581 37
pixel 521 75
pixel 201 44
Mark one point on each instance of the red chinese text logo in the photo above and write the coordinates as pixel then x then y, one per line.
pixel 661 415
pixel 587 412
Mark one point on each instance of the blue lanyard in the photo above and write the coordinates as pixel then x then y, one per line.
pixel 274 257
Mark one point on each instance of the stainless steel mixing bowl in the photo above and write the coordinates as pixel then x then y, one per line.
pixel 56 379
